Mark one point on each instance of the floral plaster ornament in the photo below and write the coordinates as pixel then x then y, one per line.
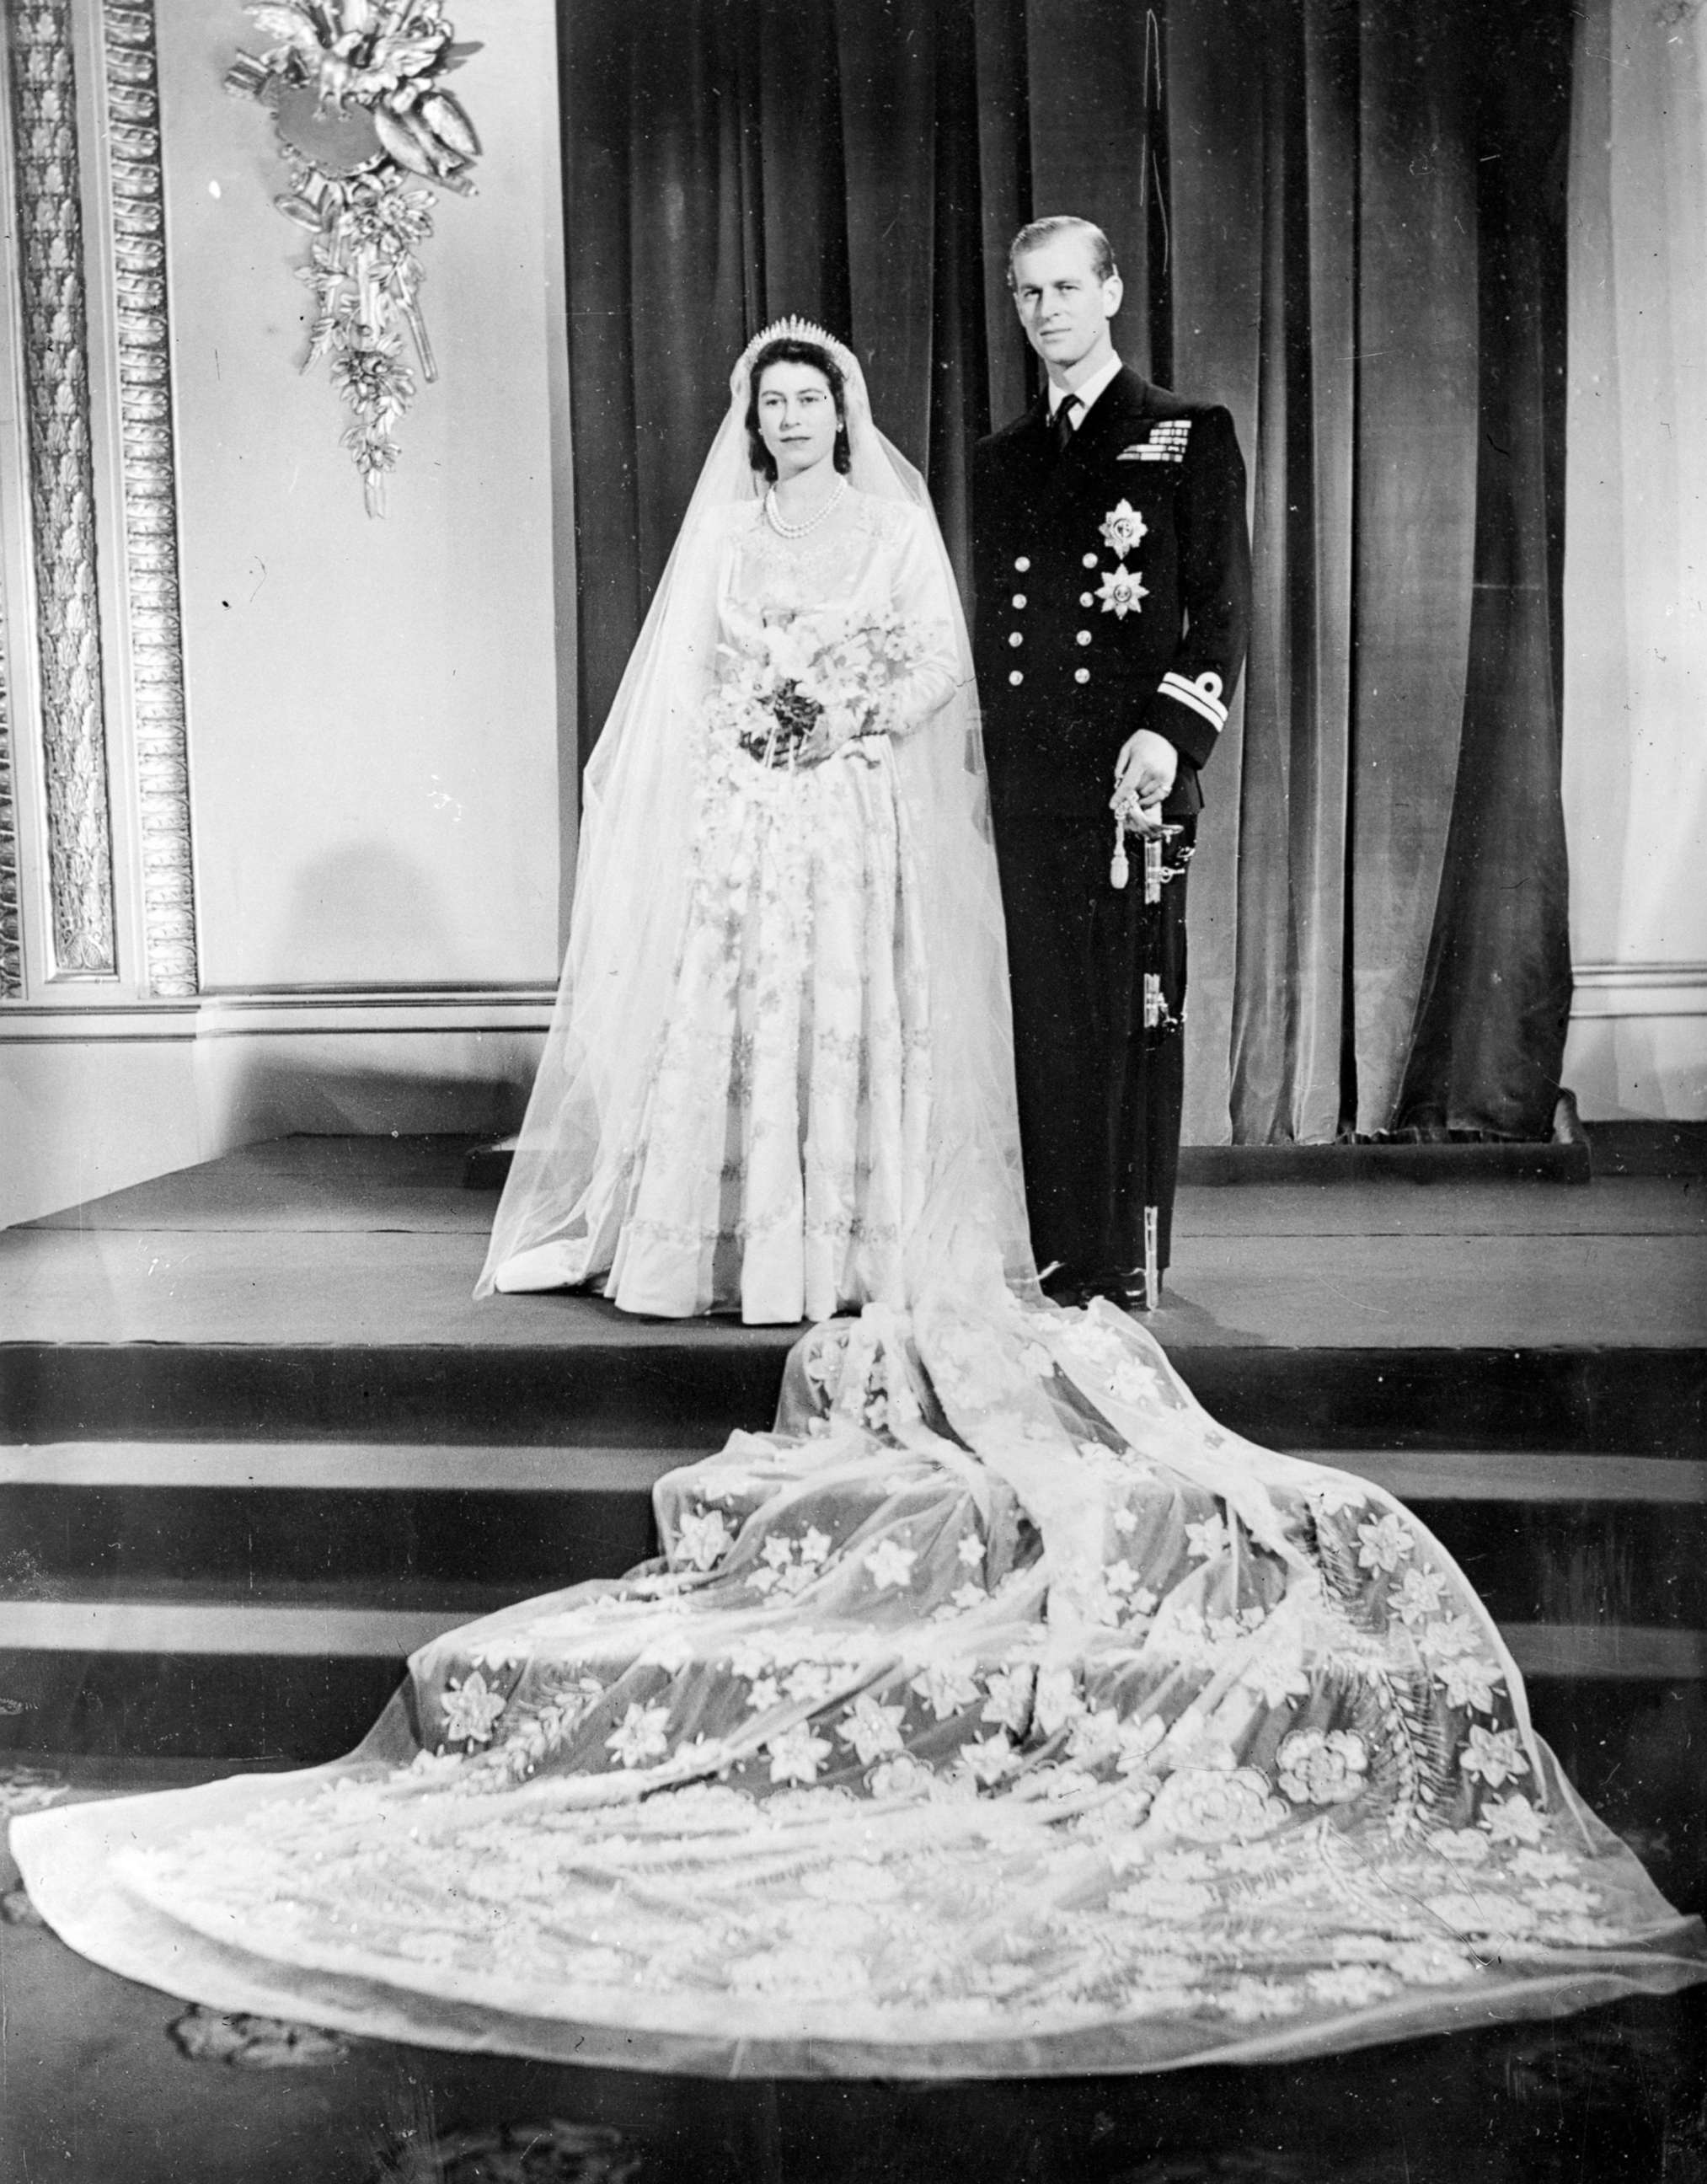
pixel 356 92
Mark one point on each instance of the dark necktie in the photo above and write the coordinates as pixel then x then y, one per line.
pixel 1063 425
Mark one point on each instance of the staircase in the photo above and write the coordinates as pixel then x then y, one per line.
pixel 228 1512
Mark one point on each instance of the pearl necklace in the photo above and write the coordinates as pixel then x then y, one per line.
pixel 827 507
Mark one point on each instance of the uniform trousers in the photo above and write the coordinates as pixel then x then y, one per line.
pixel 1100 1092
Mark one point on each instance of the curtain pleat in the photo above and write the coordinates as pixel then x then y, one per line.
pixel 611 594
pixel 1332 215
pixel 959 372
pixel 1085 63
pixel 1286 1033
pixel 1213 94
pixel 1489 1038
pixel 1001 88
pixel 889 115
pixel 1414 520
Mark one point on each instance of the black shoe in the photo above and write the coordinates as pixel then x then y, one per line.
pixel 1130 1291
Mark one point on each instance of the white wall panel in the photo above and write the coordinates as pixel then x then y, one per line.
pixel 373 703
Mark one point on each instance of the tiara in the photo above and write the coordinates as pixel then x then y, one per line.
pixel 797 330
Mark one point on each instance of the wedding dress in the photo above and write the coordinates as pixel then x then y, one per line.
pixel 780 1159
pixel 997 1712
pixel 782 1031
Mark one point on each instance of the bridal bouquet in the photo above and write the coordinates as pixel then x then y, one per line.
pixel 799 677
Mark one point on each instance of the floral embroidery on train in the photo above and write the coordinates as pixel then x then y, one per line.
pixel 996 1695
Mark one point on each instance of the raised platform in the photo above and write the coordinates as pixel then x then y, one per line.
pixel 257 1440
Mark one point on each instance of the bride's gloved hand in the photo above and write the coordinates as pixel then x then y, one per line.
pixel 837 730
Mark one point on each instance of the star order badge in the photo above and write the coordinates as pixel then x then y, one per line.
pixel 1123 592
pixel 1123 528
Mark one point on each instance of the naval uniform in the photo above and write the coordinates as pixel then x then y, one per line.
pixel 1112 581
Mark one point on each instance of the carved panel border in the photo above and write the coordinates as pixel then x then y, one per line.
pixel 11 939
pixel 62 491
pixel 150 493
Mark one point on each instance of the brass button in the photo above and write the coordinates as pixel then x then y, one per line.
pixel 1090 561
pixel 1023 564
pixel 1019 600
pixel 1015 637
pixel 1081 674
pixel 1087 598
pixel 1083 636
pixel 1016 678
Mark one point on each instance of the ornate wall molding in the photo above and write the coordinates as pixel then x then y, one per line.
pixel 150 493
pixel 1638 990
pixel 11 940
pixel 62 491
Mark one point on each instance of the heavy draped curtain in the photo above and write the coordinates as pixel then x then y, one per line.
pixel 1343 219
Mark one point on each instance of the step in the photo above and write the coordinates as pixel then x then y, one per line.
pixel 531 1519
pixel 486 1167
pixel 1626 1710
pixel 692 1390
pixel 504 1468
pixel 195 1621
pixel 1545 1537
pixel 1606 1149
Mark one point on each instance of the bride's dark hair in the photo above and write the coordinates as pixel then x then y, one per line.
pixel 787 348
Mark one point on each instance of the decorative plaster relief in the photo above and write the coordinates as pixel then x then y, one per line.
pixel 56 373
pixel 359 104
pixel 11 943
pixel 150 493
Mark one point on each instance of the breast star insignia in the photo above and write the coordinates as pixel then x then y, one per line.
pixel 1122 528
pixel 1123 592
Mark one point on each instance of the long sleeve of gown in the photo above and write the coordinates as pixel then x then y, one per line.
pixel 919 591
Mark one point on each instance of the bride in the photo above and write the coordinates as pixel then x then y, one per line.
pixel 996 1712
pixel 784 1013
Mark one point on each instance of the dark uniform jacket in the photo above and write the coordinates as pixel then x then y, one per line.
pixel 1112 594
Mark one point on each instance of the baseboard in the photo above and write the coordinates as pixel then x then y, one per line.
pixel 97 1098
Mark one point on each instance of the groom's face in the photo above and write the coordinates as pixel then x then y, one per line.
pixel 1064 307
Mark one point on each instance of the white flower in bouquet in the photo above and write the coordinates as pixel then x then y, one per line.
pixel 796 680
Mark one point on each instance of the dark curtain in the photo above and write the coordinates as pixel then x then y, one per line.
pixel 1496 996
pixel 1342 218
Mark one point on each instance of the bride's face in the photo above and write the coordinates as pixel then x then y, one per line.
pixel 797 417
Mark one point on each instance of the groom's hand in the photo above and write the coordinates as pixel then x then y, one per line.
pixel 1144 771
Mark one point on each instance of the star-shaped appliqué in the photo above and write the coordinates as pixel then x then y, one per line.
pixel 1123 529
pixel 472 1709
pixel 1124 593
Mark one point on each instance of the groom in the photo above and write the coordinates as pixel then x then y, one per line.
pixel 1113 573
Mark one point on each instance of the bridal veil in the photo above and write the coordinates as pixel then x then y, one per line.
pixel 568 1177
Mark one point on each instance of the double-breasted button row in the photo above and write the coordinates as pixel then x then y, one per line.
pixel 1015 636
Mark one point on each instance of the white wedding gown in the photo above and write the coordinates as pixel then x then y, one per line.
pixel 996 1713
pixel 778 1157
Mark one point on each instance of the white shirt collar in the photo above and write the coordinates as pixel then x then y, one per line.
pixel 1087 393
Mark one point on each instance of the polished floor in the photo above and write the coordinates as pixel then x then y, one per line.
pixel 373 1240
pixel 102 2084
